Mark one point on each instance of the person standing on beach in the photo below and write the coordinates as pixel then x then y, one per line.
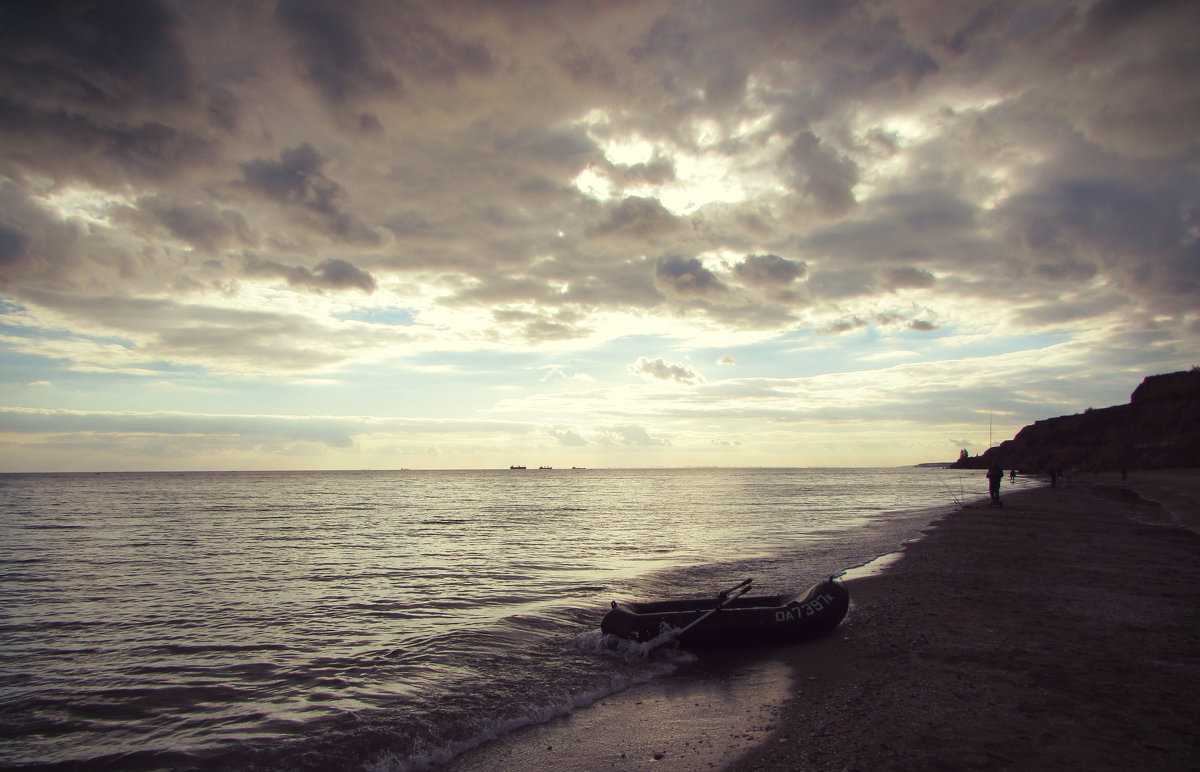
pixel 995 474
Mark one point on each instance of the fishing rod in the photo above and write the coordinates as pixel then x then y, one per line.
pixel 957 499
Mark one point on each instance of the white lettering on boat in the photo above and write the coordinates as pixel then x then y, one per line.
pixel 799 611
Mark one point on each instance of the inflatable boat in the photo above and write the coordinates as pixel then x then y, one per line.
pixel 729 619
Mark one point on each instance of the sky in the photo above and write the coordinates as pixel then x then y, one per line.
pixel 596 233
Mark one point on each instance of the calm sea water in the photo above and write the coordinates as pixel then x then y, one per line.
pixel 379 620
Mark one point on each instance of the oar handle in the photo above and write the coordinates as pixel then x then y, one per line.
pixel 725 593
pixel 741 590
pixel 723 600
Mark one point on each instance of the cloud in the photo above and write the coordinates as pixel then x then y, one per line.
pixel 298 180
pixel 562 372
pixel 82 53
pixel 335 431
pixel 13 243
pixel 639 219
pixel 328 275
pixel 1073 231
pixel 568 438
pixel 821 174
pixel 907 278
pixel 632 436
pixel 687 276
pixel 203 226
pixel 768 271
pixel 71 146
pixel 360 50
pixel 325 431
pixel 231 189
pixel 334 53
pixel 662 370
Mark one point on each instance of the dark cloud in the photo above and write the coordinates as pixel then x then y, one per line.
pixel 821 174
pixel 907 278
pixel 1071 308
pixel 1068 270
pixel 44 252
pixel 1139 97
pixel 786 17
pixel 335 53
pixel 644 219
pixel 363 49
pixel 902 228
pixel 884 320
pixel 844 325
pixel 83 53
pixel 13 244
pixel 687 276
pixel 986 19
pixel 340 274
pixel 561 153
pixel 726 87
pixel 74 146
pixel 225 110
pixel 328 275
pixel 626 285
pixel 203 226
pixel 103 92
pixel 878 54
pixel 1140 235
pixel 1109 17
pixel 587 65
pixel 669 37
pixel 769 271
pixel 297 179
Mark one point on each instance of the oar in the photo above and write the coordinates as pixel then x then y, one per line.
pixel 724 599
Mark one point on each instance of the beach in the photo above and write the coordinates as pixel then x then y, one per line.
pixel 1060 631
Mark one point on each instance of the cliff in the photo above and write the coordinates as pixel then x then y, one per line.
pixel 1158 429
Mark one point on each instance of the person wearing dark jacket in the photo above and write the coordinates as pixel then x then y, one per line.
pixel 995 474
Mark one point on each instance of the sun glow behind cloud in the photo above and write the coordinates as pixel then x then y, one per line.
pixel 701 174
pixel 89 206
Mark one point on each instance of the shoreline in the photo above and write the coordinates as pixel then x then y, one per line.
pixel 1060 631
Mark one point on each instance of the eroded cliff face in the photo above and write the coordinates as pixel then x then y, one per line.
pixel 1158 429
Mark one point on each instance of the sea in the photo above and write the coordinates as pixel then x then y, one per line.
pixel 383 620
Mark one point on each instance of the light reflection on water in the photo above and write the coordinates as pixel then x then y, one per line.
pixel 184 614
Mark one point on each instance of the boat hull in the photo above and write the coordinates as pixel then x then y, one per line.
pixel 747 621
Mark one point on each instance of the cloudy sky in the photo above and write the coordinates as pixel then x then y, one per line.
pixel 455 234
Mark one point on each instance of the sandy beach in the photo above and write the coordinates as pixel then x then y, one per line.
pixel 1061 631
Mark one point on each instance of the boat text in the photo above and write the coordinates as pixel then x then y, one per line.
pixel 801 610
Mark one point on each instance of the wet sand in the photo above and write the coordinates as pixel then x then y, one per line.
pixel 1061 631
